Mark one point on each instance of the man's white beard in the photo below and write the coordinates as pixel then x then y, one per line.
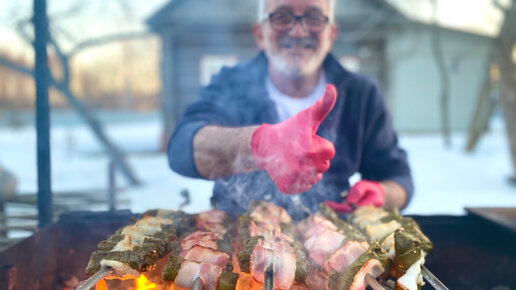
pixel 294 70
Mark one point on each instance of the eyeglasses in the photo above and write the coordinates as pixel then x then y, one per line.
pixel 283 21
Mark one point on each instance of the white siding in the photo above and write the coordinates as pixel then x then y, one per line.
pixel 414 83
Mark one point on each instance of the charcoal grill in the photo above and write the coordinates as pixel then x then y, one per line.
pixel 469 252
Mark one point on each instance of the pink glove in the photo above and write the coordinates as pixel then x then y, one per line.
pixel 363 193
pixel 290 152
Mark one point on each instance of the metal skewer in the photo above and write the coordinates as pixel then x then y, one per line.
pixel 197 284
pixel 268 284
pixel 430 278
pixel 86 285
pixel 372 282
pixel 297 202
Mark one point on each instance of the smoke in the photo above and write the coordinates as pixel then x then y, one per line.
pixel 234 193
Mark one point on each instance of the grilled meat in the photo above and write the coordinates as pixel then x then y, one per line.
pixel 401 237
pixel 183 273
pixel 374 261
pixel 204 254
pixel 268 238
pixel 137 247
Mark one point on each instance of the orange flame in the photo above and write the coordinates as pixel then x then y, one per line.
pixel 101 285
pixel 143 284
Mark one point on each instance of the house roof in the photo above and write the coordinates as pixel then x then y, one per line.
pixel 244 11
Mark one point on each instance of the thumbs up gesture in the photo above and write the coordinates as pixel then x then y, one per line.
pixel 290 152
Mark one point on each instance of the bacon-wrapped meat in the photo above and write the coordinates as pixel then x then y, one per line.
pixel 137 247
pixel 401 237
pixel 183 274
pixel 267 238
pixel 408 260
pixel 331 243
pixel 204 254
pixel 374 261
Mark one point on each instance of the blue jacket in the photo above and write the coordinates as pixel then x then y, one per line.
pixel 359 126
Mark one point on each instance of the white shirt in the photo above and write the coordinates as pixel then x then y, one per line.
pixel 288 106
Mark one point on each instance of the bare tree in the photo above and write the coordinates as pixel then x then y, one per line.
pixel 444 77
pixel 505 47
pixel 63 85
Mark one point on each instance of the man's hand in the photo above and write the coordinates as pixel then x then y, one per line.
pixel 363 193
pixel 290 152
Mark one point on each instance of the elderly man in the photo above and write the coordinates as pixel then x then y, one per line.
pixel 269 128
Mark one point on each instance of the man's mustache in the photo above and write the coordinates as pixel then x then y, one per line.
pixel 308 42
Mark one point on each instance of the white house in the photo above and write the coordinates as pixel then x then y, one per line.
pixel 375 39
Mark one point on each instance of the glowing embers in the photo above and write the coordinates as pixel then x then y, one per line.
pixel 143 284
pixel 101 285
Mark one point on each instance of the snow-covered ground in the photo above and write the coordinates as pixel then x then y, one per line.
pixel 447 180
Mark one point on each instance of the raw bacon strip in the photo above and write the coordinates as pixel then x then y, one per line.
pixel 189 271
pixel 325 237
pixel 199 238
pixel 206 255
pixel 314 225
pixel 212 221
pixel 212 216
pixel 373 267
pixel 278 255
pixel 268 212
pixel 320 247
pixel 265 227
pixel 183 273
pixel 203 235
pixel 262 229
pixel 345 256
pixel 319 227
pixel 268 232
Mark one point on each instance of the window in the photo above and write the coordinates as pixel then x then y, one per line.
pixel 350 62
pixel 211 64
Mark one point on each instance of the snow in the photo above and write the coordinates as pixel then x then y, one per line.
pixel 447 180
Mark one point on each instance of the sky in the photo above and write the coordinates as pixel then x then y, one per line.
pixel 85 19
pixel 480 16
pixel 75 20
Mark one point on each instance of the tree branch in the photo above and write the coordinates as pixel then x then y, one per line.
pixel 16 67
pixel 76 7
pixel 20 27
pixel 106 39
pixel 440 61
pixel 499 5
pixel 63 58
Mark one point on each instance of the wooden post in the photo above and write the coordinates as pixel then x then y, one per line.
pixel 42 77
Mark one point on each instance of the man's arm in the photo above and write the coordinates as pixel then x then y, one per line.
pixel 395 194
pixel 290 152
pixel 221 151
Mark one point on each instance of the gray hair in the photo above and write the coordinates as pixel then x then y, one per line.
pixel 262 13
